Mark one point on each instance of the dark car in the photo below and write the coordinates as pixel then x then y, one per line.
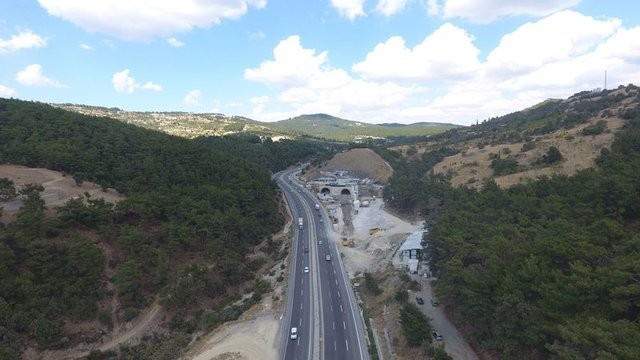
pixel 437 336
pixel 306 249
pixel 419 300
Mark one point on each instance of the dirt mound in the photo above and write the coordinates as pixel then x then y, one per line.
pixel 58 187
pixel 359 163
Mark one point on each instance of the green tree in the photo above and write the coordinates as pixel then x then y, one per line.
pixel 7 189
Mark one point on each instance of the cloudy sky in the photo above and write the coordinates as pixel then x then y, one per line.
pixel 369 60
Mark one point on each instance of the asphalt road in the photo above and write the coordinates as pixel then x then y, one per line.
pixel 320 303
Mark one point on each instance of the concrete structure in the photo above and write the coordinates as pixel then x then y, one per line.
pixel 411 248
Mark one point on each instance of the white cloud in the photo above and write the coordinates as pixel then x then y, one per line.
pixel 349 8
pixel 432 8
pixel 390 7
pixel 123 82
pixel 151 86
pixel 6 91
pixel 173 42
pixel 485 11
pixel 443 79
pixel 86 47
pixel 557 37
pixel 193 98
pixel 147 19
pixel 292 64
pixel 32 76
pixel 445 54
pixel 24 40
pixel 310 85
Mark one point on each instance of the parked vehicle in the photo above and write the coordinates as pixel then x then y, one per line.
pixel 434 302
pixel 437 336
pixel 419 300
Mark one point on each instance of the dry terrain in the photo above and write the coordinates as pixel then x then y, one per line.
pixel 58 187
pixel 359 162
pixel 472 165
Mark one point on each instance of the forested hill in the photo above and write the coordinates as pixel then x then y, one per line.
pixel 330 127
pixel 182 235
pixel 548 269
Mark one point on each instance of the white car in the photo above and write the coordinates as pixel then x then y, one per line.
pixel 306 269
pixel 294 333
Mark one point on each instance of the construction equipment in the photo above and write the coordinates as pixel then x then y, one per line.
pixel 374 230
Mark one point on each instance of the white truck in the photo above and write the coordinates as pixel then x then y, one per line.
pixel 300 223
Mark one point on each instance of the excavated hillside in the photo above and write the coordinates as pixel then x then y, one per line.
pixel 363 163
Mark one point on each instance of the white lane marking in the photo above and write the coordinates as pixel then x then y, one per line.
pixel 344 325
pixel 338 293
pixel 300 306
pixel 331 308
pixel 341 309
pixel 335 347
pixel 336 282
pixel 347 344
pixel 301 292
pixel 334 325
pixel 334 271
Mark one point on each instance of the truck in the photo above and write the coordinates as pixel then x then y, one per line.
pixel 318 207
pixel 300 223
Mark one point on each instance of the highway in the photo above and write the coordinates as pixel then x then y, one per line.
pixel 320 303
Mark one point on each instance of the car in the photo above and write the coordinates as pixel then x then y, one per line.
pixel 437 336
pixel 434 302
pixel 321 220
pixel 319 242
pixel 419 300
pixel 306 249
pixel 328 257
pixel 294 333
pixel 306 269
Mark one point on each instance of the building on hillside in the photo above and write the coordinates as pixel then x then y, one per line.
pixel 410 250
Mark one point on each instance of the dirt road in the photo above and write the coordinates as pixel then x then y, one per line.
pixel 455 344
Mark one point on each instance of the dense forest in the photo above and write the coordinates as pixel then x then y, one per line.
pixel 548 269
pixel 192 214
pixel 272 155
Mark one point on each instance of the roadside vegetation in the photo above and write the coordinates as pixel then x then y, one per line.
pixel 188 234
pixel 544 269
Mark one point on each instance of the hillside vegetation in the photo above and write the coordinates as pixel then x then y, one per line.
pixel 545 269
pixel 319 126
pixel 333 128
pixel 191 218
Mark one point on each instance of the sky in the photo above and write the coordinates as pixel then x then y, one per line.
pixel 375 61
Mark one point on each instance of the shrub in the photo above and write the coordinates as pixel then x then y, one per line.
pixel 504 166
pixel 595 129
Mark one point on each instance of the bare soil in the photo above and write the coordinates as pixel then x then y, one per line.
pixel 471 167
pixel 359 162
pixel 58 188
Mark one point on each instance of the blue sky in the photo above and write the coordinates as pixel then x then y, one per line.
pixel 368 60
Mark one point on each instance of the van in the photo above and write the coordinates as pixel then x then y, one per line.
pixel 328 257
pixel 294 333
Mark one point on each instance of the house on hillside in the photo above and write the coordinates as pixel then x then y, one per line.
pixel 410 250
